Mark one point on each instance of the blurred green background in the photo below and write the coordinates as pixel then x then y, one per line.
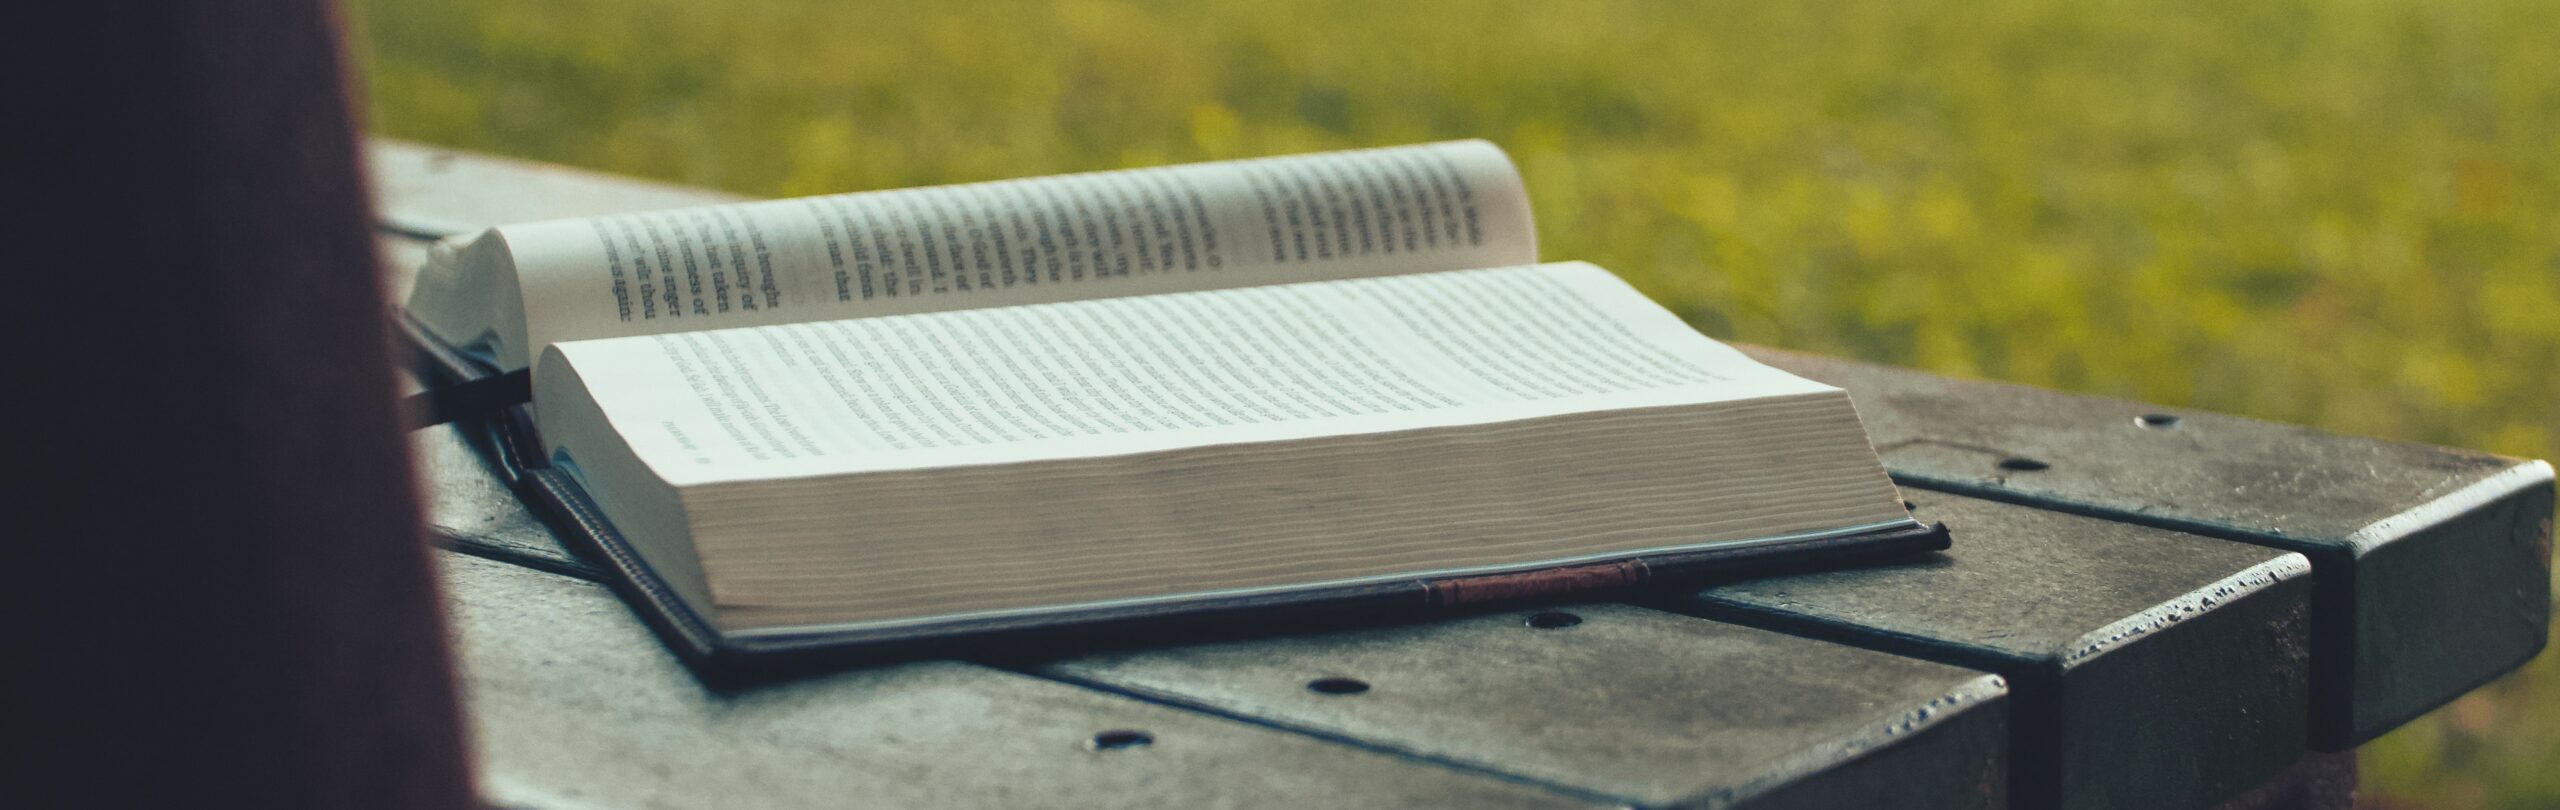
pixel 2345 214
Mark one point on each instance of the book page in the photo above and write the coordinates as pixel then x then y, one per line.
pixel 1206 226
pixel 1141 374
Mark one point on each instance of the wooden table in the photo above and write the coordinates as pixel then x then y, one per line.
pixel 2145 607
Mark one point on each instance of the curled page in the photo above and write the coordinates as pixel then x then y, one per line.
pixel 515 289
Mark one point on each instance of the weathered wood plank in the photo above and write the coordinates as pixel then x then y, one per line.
pixel 575 705
pixel 426 192
pixel 2434 563
pixel 472 511
pixel 1652 708
pixel 2148 668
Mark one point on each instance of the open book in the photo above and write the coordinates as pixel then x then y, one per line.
pixel 1327 380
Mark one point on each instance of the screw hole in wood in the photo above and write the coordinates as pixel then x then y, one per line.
pixel 1554 620
pixel 1120 738
pixel 1337 686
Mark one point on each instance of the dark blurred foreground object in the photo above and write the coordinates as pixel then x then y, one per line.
pixel 217 551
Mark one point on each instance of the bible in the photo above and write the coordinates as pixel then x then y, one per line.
pixel 1338 382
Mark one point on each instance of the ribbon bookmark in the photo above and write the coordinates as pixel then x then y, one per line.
pixel 467 399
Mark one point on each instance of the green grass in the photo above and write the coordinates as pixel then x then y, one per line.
pixel 2345 214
